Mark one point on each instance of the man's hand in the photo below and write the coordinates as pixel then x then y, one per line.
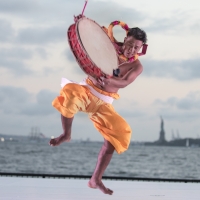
pixel 103 81
pixel 121 82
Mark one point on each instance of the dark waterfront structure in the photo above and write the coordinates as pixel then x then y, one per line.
pixel 185 142
pixel 161 140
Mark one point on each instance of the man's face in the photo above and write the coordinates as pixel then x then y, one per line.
pixel 131 46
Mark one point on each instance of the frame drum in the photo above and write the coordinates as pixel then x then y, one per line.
pixel 92 48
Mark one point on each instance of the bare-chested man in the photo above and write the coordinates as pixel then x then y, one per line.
pixel 75 97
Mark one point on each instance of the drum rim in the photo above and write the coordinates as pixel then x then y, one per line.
pixel 83 48
pixel 81 44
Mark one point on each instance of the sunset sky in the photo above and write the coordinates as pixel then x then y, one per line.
pixel 35 55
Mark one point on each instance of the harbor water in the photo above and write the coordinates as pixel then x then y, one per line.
pixel 79 158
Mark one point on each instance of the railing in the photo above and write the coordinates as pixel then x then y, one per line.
pixel 104 177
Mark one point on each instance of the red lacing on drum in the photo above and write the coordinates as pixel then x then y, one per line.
pixel 79 54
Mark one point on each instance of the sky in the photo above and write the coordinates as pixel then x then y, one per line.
pixel 35 55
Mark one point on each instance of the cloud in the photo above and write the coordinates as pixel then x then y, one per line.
pixel 42 106
pixel 195 28
pixel 184 70
pixel 163 25
pixel 185 109
pixel 175 21
pixel 69 55
pixel 7 32
pixel 41 35
pixel 51 10
pixel 48 22
pixel 131 113
pixel 41 52
pixel 60 20
pixel 180 115
pixel 48 71
pixel 45 12
pixel 16 53
pixel 19 6
pixel 102 12
pixel 20 110
pixel 16 67
pixel 190 102
pixel 18 101
pixel 12 60
pixel 15 60
pixel 130 110
pixel 12 99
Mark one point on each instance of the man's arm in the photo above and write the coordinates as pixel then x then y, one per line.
pixel 129 77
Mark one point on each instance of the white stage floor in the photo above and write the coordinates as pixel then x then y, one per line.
pixel 18 188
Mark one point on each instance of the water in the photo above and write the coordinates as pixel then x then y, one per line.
pixel 80 159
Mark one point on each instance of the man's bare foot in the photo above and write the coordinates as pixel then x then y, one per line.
pixel 62 138
pixel 99 185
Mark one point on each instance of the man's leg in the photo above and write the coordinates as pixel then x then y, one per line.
pixel 104 158
pixel 66 136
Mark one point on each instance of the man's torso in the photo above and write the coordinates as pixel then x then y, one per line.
pixel 124 68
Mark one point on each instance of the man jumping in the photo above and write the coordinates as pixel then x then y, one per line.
pixel 114 129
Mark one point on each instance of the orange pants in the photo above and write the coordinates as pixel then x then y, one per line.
pixel 74 97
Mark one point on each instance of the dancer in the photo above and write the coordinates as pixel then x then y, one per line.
pixel 95 97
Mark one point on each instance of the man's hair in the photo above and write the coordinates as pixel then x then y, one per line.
pixel 138 34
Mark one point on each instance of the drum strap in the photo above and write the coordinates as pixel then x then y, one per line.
pixel 109 32
pixel 115 43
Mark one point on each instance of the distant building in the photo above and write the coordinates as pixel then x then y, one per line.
pixel 176 140
pixel 161 139
pixel 173 136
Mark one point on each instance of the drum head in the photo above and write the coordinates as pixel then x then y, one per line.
pixel 98 46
